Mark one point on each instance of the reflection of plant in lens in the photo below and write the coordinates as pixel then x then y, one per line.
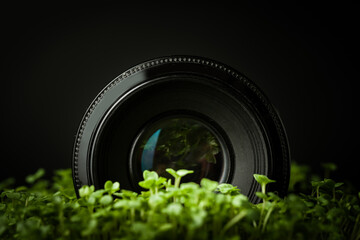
pixel 183 143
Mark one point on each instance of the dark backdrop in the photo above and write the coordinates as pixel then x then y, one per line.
pixel 57 58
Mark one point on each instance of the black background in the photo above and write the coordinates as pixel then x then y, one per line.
pixel 57 58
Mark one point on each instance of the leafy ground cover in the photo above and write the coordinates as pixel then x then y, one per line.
pixel 169 209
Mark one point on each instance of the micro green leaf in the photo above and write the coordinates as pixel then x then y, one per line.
pixel 229 189
pixel 339 184
pixel 98 193
pixel 150 175
pixel 106 200
pixel 111 187
pixel 263 180
pixel 156 200
pixel 261 195
pixel 147 184
pixel 85 191
pixel 189 185
pixel 116 186
pixel 178 175
pixel 91 200
pixel 126 194
pixel 209 184
pixel 174 209
pixel 13 195
pixel 121 204
pixel 172 172
pixel 34 177
pixel 160 181
pixel 183 172
pixel 241 200
pixel 108 185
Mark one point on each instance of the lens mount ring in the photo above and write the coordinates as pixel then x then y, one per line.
pixel 227 90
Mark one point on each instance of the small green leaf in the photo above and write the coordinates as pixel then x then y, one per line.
pixel 108 185
pixel 165 227
pixel 115 186
pixel 261 195
pixel 98 193
pixel 226 188
pixel 156 200
pixel 126 194
pixel 208 184
pixel 21 188
pixel 121 204
pixel 317 183
pixel 160 181
pixel 13 195
pixel 189 185
pixel 91 200
pixel 37 175
pixel 147 184
pixel 150 175
pixel 183 172
pixel 111 187
pixel 339 184
pixel 241 201
pixel 262 179
pixel 57 200
pixel 174 209
pixel 106 200
pixel 172 172
pixel 85 190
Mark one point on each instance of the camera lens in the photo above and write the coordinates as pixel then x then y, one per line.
pixel 182 112
pixel 178 143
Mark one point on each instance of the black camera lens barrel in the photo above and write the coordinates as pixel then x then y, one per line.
pixel 247 135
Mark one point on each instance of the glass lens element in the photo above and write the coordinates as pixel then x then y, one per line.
pixel 179 143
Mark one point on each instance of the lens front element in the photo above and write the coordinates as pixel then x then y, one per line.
pixel 179 143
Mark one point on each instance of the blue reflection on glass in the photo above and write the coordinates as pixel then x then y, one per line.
pixel 147 157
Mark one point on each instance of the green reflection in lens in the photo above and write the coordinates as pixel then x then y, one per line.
pixel 180 143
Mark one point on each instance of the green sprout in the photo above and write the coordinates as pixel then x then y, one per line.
pixel 178 175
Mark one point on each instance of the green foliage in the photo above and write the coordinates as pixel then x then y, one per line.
pixel 50 210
